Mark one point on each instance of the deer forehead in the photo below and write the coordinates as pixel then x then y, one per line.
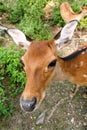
pixel 39 52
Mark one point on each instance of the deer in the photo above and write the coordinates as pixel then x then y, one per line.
pixel 68 14
pixel 42 64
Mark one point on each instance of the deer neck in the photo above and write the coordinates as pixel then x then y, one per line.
pixel 59 74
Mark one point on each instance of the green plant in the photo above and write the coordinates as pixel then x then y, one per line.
pixel 83 23
pixel 3 8
pixel 16 15
pixel 12 78
pixel 28 17
pixel 28 14
pixel 57 19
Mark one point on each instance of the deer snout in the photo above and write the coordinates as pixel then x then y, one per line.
pixel 28 105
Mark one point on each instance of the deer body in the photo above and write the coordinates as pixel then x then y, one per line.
pixel 43 65
pixel 68 14
pixel 74 68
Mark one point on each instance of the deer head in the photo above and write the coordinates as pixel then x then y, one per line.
pixel 40 62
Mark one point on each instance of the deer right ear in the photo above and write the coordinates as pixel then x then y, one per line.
pixel 65 34
pixel 19 38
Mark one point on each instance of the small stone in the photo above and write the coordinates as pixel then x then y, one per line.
pixel 84 123
pixel 72 120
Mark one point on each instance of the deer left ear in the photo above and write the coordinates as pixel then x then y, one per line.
pixel 62 38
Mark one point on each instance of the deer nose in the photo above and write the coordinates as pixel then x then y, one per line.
pixel 28 105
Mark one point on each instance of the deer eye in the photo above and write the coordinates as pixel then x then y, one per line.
pixel 52 63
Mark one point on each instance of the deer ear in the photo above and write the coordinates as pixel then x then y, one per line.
pixel 19 38
pixel 62 38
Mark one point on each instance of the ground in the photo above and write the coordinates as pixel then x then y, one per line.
pixel 58 110
pixel 61 112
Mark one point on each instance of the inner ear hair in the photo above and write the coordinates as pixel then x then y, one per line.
pixel 57 35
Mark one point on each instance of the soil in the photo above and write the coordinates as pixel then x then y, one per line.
pixel 60 111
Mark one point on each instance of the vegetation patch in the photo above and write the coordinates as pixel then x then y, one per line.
pixel 28 15
pixel 12 78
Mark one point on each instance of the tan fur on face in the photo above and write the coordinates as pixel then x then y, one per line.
pixel 36 60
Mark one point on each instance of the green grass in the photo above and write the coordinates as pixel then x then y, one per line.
pixel 28 16
pixel 12 78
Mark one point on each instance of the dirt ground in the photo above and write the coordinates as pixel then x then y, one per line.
pixel 58 111
pixel 61 112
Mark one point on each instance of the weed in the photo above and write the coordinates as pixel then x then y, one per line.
pixel 29 16
pixel 83 23
pixel 57 19
pixel 4 8
pixel 12 78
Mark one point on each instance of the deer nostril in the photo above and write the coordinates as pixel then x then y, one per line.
pixel 28 105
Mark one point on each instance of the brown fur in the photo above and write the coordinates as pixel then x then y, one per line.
pixel 68 14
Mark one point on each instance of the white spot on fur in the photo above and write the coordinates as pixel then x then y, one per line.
pixel 80 49
pixel 83 53
pixel 76 65
pixel 81 63
pixel 85 75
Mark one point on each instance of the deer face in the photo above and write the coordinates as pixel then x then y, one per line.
pixel 39 67
pixel 40 62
